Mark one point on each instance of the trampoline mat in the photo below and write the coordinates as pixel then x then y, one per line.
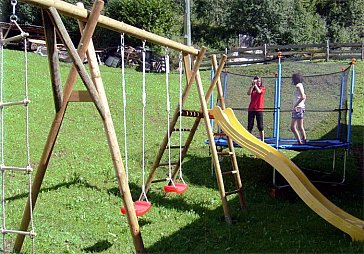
pixel 291 144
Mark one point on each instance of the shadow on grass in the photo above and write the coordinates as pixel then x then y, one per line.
pixel 265 228
pixel 274 226
pixel 77 180
pixel 98 247
pixel 329 178
pixel 172 202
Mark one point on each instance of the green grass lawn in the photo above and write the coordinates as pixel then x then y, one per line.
pixel 78 209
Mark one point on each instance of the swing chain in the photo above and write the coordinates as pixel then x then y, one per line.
pixel 13 17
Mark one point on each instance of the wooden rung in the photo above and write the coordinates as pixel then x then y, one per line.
pixel 221 134
pixel 159 180
pixel 11 168
pixel 167 164
pixel 24 102
pixel 14 38
pixel 228 193
pixel 225 153
pixel 10 231
pixel 175 147
pixel 183 129
pixel 230 172
pixel 192 113
pixel 80 96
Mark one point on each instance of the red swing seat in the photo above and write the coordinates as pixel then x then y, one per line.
pixel 141 207
pixel 178 188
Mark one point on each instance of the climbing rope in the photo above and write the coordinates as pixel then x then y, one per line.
pixel 122 52
pixel 166 59
pixel 180 66
pixel 144 102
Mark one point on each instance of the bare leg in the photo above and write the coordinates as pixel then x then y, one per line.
pixel 301 129
pixel 295 131
pixel 261 135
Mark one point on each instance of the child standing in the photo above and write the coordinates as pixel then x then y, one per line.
pixel 256 105
pixel 298 110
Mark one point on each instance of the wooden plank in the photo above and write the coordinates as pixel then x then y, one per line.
pixel 341 45
pixel 80 96
pixel 343 51
pixel 14 38
pixel 293 46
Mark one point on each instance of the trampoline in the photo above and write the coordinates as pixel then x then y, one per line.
pixel 330 90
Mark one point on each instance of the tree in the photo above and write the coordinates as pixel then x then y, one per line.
pixel 163 17
pixel 344 19
pixel 277 21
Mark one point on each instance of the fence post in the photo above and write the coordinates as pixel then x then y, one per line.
pixel 327 50
pixel 362 50
pixel 265 51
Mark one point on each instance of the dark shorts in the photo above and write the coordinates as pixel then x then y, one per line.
pixel 259 116
pixel 298 114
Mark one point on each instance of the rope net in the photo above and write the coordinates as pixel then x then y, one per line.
pixel 15 148
pixel 326 86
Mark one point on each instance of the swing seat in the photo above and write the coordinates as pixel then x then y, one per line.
pixel 141 207
pixel 178 188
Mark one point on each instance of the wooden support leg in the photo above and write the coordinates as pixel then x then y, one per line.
pixel 114 147
pixel 53 60
pixel 57 121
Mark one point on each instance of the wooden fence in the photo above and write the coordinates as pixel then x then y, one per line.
pixel 325 51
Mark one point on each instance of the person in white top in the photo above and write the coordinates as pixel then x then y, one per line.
pixel 298 109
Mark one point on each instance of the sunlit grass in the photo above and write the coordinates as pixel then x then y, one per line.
pixel 78 209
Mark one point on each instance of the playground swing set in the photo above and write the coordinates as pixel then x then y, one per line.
pixel 191 59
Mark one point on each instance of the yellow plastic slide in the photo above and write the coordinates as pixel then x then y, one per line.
pixel 351 225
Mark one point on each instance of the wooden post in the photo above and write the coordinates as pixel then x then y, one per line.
pixel 327 50
pixel 216 76
pixel 57 121
pixel 362 50
pixel 265 51
pixel 53 59
pixel 114 147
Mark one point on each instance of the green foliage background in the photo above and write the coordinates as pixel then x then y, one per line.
pixel 216 24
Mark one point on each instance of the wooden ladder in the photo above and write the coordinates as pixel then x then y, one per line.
pixel 164 145
pixel 233 170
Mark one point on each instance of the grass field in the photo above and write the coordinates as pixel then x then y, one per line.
pixel 78 209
